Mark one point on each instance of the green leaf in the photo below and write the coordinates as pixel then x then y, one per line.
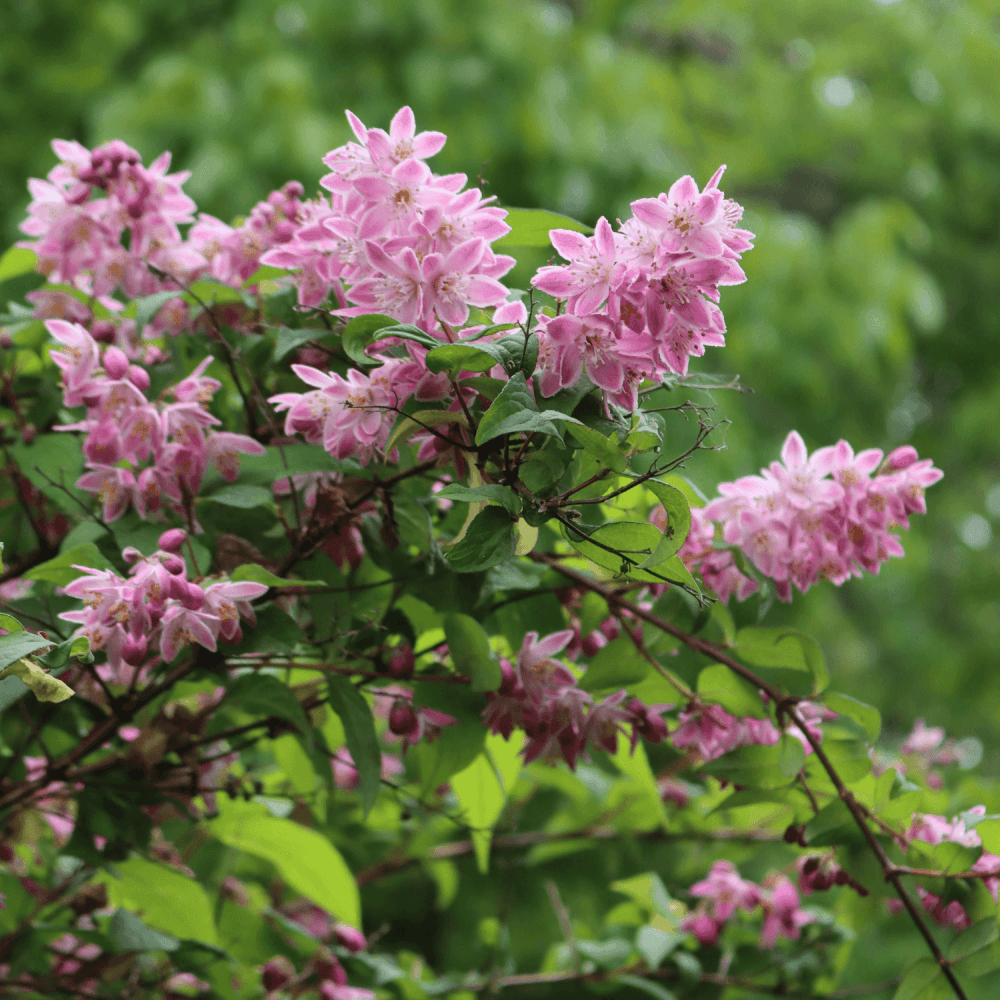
pixel 359 334
pixel 306 861
pixel 791 756
pixel 471 653
pixel 147 307
pixel 515 410
pixel 481 800
pixel 257 574
pixel 18 644
pixel 16 261
pixel 602 448
pixel 9 623
pixel 864 715
pixel 833 824
pixel 655 944
pixel 243 495
pixel 355 715
pixel 128 933
pixel 678 521
pixel 265 273
pixel 44 686
pixel 289 339
pixel 976 951
pixel 781 656
pixel 264 696
pixel 924 981
pixel 454 358
pixel 276 632
pixel 615 665
pixel 503 495
pixel 163 897
pixel 61 569
pixel 59 656
pixel 718 684
pixel 489 540
pixel 648 891
pixel 529 227
pixel 635 540
pixel 752 766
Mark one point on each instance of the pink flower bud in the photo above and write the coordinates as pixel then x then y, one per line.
pixel 6 340
pixel 195 597
pixel 234 639
pixel 401 662
pixel 402 719
pixel 901 458
pixel 172 540
pixel 115 363
pixel 131 555
pixel 173 564
pixel 178 588
pixel 350 937
pixel 139 377
pixel 277 972
pixel 28 433
pixel 103 331
pixel 328 968
pixel 134 650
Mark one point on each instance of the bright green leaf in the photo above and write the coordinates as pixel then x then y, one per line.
pixel 61 569
pixel 471 653
pixel 529 227
pixel 16 261
pixel 602 448
pixel 718 684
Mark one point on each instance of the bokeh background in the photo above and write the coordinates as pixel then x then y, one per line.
pixel 863 137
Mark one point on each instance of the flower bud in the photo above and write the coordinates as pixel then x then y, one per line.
pixel 350 937
pixel 195 598
pixel 139 377
pixel 328 968
pixel 178 588
pixel 401 662
pixel 131 555
pixel 277 972
pixel 402 719
pixel 6 340
pixel 172 540
pixel 173 564
pixel 234 639
pixel 134 650
pixel 103 331
pixel 115 363
pixel 28 433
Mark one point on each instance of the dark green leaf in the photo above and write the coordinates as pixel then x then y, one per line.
pixel 489 540
pixel 752 767
pixel 833 824
pixel 515 410
pixel 275 632
pixel 264 696
pixel 502 495
pixel 289 339
pixel 976 951
pixel 649 986
pixel 128 933
pixel 454 358
pixel 471 652
pixel 360 333
pixel 359 727
pixel 18 644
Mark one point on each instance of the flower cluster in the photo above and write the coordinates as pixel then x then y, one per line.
pixel 540 695
pixel 829 516
pixel 724 892
pixel 124 428
pixel 157 604
pixel 104 243
pixel 410 244
pixel 931 829
pixel 641 302
pixel 323 969
pixel 711 731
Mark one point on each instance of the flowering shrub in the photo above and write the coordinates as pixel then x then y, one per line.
pixel 329 554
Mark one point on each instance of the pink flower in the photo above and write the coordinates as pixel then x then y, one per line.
pixel 782 916
pixel 727 891
pixel 586 282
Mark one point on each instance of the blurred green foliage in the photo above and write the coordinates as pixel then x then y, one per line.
pixel 863 137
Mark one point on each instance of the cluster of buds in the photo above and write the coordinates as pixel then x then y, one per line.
pixel 820 872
